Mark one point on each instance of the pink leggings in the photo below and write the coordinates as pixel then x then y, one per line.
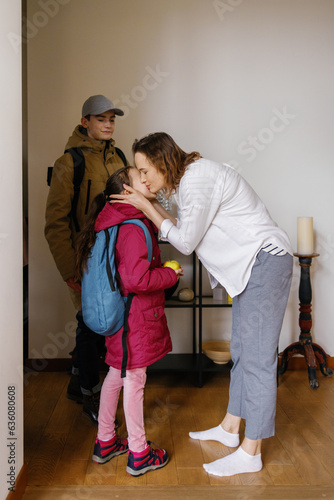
pixel 133 398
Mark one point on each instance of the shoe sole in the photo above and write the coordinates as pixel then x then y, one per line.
pixel 88 417
pixel 104 460
pixel 136 473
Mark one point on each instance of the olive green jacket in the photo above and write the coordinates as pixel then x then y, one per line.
pixel 101 161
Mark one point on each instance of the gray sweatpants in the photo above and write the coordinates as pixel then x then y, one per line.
pixel 257 320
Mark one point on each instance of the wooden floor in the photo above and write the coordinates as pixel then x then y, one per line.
pixel 298 461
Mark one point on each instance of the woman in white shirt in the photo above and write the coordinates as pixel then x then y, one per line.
pixel 223 220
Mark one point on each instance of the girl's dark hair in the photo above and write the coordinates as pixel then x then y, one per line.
pixel 166 156
pixel 87 235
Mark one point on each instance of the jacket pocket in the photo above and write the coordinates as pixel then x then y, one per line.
pixel 155 314
pixel 156 331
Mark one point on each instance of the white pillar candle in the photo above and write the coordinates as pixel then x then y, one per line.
pixel 305 244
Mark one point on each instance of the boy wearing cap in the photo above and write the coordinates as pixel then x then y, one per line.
pixel 94 138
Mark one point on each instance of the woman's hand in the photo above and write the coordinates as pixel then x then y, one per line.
pixel 138 200
pixel 133 197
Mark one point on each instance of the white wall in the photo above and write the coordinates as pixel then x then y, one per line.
pixel 247 82
pixel 11 321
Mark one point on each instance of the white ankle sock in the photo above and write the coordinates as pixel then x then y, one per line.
pixel 217 434
pixel 238 462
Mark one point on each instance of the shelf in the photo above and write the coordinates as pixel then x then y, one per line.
pixel 187 363
pixel 175 302
pixel 195 362
pixel 206 302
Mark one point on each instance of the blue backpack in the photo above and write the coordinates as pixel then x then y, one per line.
pixel 104 309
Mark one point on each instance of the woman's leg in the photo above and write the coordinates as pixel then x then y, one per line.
pixel 108 404
pixel 227 432
pixel 261 311
pixel 133 403
pixel 262 308
pixel 235 409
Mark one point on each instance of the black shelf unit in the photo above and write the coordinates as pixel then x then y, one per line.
pixel 196 361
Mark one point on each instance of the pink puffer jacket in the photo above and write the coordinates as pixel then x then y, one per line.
pixel 148 338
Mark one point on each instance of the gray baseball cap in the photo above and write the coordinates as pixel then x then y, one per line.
pixel 97 104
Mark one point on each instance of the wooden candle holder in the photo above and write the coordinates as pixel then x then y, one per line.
pixel 305 346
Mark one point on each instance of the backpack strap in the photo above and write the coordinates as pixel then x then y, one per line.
pixel 121 155
pixel 108 267
pixel 78 174
pixel 125 333
pixel 149 244
pixel 49 176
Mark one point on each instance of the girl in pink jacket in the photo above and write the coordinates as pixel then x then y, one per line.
pixel 148 338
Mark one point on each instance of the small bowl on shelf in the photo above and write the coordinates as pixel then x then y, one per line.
pixel 217 350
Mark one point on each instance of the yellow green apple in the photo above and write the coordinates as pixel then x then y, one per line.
pixel 172 263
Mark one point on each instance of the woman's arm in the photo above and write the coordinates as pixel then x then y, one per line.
pixel 152 209
pixel 160 209
pixel 199 199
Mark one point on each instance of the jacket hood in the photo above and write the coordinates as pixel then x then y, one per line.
pixel 111 215
pixel 80 139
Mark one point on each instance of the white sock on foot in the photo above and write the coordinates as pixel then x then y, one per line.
pixel 217 434
pixel 238 462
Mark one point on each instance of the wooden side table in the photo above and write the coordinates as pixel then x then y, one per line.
pixel 311 352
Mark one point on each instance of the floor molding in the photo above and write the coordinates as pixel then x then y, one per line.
pixel 52 365
pixel 64 364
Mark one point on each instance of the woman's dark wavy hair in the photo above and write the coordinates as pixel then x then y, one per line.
pixel 166 156
pixel 87 235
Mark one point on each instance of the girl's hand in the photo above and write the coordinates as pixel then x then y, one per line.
pixel 179 272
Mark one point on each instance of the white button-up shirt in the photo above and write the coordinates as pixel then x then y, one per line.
pixel 222 219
